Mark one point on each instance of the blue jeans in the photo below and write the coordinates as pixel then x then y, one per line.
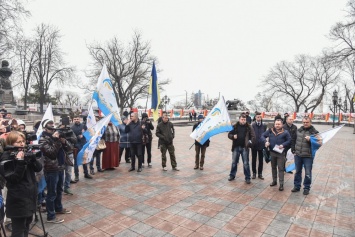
pixel 68 172
pixel 307 162
pixel 97 156
pixel 237 152
pixel 54 182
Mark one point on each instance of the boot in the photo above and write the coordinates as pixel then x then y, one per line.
pixel 274 183
pixel 281 188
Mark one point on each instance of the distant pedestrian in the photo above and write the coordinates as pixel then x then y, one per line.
pixel 248 117
pixel 195 115
pixel 190 116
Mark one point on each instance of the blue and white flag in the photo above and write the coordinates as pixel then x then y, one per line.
pixel 217 121
pixel 86 153
pixel 90 123
pixel 105 97
pixel 47 115
pixel 316 142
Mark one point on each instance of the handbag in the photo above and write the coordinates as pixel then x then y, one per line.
pixel 266 155
pixel 101 145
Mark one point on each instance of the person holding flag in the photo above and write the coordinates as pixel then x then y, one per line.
pixel 200 148
pixel 303 156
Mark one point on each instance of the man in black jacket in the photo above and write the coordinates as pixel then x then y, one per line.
pixel 243 137
pixel 147 143
pixel 52 145
pixel 135 130
pixel 303 157
pixel 292 130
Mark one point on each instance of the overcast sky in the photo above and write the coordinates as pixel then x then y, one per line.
pixel 224 46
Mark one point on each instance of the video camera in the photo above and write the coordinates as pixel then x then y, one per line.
pixel 32 152
pixel 65 132
pixel 30 136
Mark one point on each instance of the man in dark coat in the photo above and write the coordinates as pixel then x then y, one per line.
pixel 303 157
pixel 292 130
pixel 257 148
pixel 135 131
pixel 243 137
pixel 124 141
pixel 200 148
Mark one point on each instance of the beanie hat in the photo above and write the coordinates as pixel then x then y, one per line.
pixel 45 122
pixel 200 116
pixel 144 115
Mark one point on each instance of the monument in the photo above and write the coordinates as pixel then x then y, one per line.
pixel 6 93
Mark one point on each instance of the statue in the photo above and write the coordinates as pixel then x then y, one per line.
pixel 5 73
pixel 6 93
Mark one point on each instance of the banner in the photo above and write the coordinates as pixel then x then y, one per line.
pixel 47 115
pixel 105 97
pixel 217 121
pixel 86 153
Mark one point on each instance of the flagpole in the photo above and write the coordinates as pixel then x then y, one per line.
pixel 191 146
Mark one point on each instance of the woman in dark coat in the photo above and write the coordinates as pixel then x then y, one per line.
pixel 110 155
pixel 19 173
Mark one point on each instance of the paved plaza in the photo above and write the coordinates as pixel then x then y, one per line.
pixel 204 203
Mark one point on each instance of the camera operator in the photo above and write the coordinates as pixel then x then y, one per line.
pixel 71 138
pixel 53 149
pixel 21 183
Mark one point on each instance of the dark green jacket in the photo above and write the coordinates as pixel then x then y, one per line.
pixel 165 132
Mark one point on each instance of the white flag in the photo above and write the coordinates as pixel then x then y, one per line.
pixel 47 115
pixel 217 121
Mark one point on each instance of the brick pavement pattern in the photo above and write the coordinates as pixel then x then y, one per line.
pixel 204 203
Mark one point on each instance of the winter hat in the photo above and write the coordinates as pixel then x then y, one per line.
pixel 46 121
pixel 21 122
pixel 144 115
pixel 200 116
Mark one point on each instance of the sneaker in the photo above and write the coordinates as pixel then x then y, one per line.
pixel 92 172
pixel 63 211
pixel 100 170
pixel 201 168
pixel 196 167
pixel 150 165
pixel 306 192
pixel 76 179
pixel 73 181
pixel 68 192
pixel 55 221
pixel 139 170
pixel 165 169
pixel 260 176
pixel 231 178
pixel 176 169
pixel 142 165
pixel 247 181
pixel 87 176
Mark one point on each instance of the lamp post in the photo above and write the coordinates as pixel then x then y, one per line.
pixel 339 105
pixel 165 100
pixel 335 101
pixel 186 100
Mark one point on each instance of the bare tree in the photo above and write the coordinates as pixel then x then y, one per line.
pixel 129 68
pixel 11 12
pixel 343 34
pixel 72 99
pixel 25 51
pixel 349 77
pixel 59 96
pixel 50 66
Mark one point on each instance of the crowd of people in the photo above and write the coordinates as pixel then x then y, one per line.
pixel 60 145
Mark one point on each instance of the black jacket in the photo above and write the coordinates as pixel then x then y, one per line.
pixel 258 130
pixel 148 129
pixel 78 130
pixel 249 136
pixel 21 187
pixel 292 130
pixel 50 148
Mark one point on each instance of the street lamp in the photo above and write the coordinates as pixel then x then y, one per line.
pixel 345 106
pixel 335 101
pixel 339 105
pixel 165 101
pixel 186 100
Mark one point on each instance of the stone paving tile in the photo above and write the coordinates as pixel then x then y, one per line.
pixel 204 203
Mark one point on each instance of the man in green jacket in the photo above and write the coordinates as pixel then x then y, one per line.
pixel 166 133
